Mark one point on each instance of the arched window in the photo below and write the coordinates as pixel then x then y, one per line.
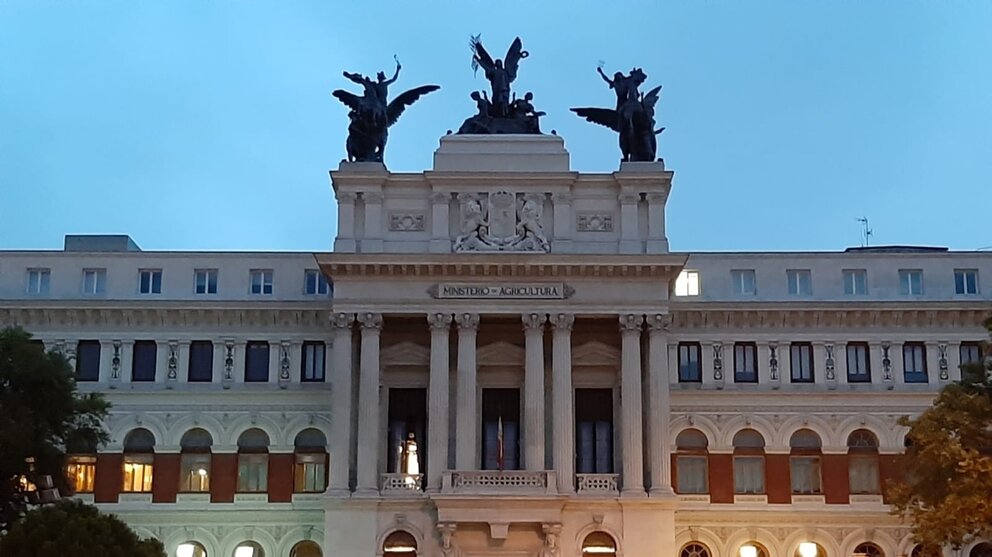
pixel 753 549
pixel 804 462
pixel 691 468
pixel 983 549
pixel 139 458
pixel 922 550
pixel 599 543
pixel 310 471
pixel 253 462
pixel 862 459
pixel 810 549
pixel 306 549
pixel 868 549
pixel 194 470
pixel 749 462
pixel 400 544
pixel 249 549
pixel 191 549
pixel 80 468
pixel 694 549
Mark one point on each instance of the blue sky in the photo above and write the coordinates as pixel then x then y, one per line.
pixel 209 125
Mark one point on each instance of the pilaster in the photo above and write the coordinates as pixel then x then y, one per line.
pixel 345 239
pixel 368 405
pixel 534 390
pixel 630 407
pixel 438 395
pixel 660 408
pixel 440 240
pixel 563 420
pixel 341 366
pixel 466 455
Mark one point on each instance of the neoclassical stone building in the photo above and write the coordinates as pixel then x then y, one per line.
pixel 501 357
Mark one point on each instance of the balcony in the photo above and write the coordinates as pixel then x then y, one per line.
pixel 494 482
pixel 400 485
pixel 598 485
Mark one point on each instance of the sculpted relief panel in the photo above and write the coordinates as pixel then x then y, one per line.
pixel 502 221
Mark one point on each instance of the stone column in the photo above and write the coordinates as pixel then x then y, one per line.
pixel 345 240
pixel 660 409
pixel 372 241
pixel 440 235
pixel 629 223
pixel 630 405
pixel 465 432
pixel 563 418
pixel 437 421
pixel 534 391
pixel 368 406
pixel 657 241
pixel 564 223
pixel 340 404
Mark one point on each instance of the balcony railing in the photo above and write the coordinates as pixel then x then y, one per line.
pixel 603 485
pixel 494 482
pixel 392 485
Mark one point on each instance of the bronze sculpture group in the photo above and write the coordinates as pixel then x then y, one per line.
pixel 500 112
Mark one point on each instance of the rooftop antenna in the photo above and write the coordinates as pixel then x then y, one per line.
pixel 865 231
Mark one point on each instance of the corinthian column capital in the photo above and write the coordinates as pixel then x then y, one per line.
pixel 562 321
pixel 631 322
pixel 467 320
pixel 370 320
pixel 660 322
pixel 439 320
pixel 342 320
pixel 534 321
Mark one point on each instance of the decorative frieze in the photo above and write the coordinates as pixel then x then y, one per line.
pixel 502 221
pixel 407 222
pixel 594 222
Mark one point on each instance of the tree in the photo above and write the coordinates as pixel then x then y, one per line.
pixel 72 528
pixel 42 417
pixel 947 490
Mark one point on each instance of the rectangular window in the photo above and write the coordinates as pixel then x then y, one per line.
pixel 749 474
pixel 692 474
pixel 687 284
pixel 500 446
pixel 38 281
pixel 257 362
pixel 970 352
pixel 143 361
pixel 855 282
pixel 138 473
pixel 966 281
pixel 801 362
pixel 689 368
pixel 800 282
pixel 261 281
pixel 858 363
pixel 194 473
pixel 914 362
pixel 205 281
pixel 94 281
pixel 309 473
pixel 910 282
pixel 745 362
pixel 313 361
pixel 201 361
pixel 253 473
pixel 594 431
pixel 805 473
pixel 314 282
pixel 150 281
pixel 81 472
pixel 862 474
pixel 743 282
pixel 88 360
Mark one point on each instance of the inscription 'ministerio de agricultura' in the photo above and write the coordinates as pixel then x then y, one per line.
pixel 513 291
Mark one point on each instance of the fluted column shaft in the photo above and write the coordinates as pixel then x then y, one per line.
pixel 660 409
pixel 465 430
pixel 630 404
pixel 534 391
pixel 563 420
pixel 437 422
pixel 368 406
pixel 341 404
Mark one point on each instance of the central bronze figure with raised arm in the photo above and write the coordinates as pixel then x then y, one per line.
pixel 503 112
pixel 633 116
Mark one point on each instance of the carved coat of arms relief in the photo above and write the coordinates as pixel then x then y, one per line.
pixel 501 220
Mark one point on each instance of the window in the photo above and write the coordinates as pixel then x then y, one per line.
pixel 801 362
pixel 687 284
pixel 743 282
pixel 406 435
pixel 253 461
pixel 694 549
pixel 858 363
pixel 500 429
pixel 194 468
pixel 970 352
pixel 94 281
pixel 310 471
pixel 191 549
pixel 313 361
pixel 150 281
pixel 594 431
pixel 201 361
pixel 804 462
pixel 965 281
pixel 749 462
pixel 261 281
pixel 745 362
pixel 868 549
pixel 252 549
pixel 314 282
pixel 800 282
pixel 81 472
pixel 689 368
pixel 399 544
pixel 257 362
pixel 143 361
pixel 599 543
pixel 914 362
pixel 983 549
pixel 910 282
pixel 139 448
pixel 862 472
pixel 855 282
pixel 88 360
pixel 205 281
pixel 691 468
pixel 38 281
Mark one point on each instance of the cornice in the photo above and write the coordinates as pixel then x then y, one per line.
pixel 825 315
pixel 161 315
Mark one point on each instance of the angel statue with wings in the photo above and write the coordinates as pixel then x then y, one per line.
pixel 371 115
pixel 502 112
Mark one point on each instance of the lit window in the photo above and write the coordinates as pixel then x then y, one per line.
pixel 190 549
pixel 94 281
pixel 743 282
pixel 194 468
pixel 800 282
pixel 687 284
pixel 205 281
pixel 313 361
pixel 150 281
pixel 911 282
pixel 801 362
pixel 38 281
pixel 599 543
pixel 914 362
pixel 314 282
pixel 966 281
pixel 81 472
pixel 855 282
pixel 261 281
pixel 311 462
pixel 249 549
pixel 138 473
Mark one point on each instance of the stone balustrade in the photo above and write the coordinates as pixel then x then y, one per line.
pixel 604 485
pixel 401 484
pixel 495 482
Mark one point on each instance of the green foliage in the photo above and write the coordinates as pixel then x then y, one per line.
pixel 72 528
pixel 42 417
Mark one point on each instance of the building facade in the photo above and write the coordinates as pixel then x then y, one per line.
pixel 501 357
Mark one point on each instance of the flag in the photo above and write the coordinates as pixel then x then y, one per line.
pixel 499 444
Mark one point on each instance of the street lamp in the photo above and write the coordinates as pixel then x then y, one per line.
pixel 808 549
pixel 748 550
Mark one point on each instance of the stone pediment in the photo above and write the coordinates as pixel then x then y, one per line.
pixel 595 354
pixel 500 354
pixel 406 354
